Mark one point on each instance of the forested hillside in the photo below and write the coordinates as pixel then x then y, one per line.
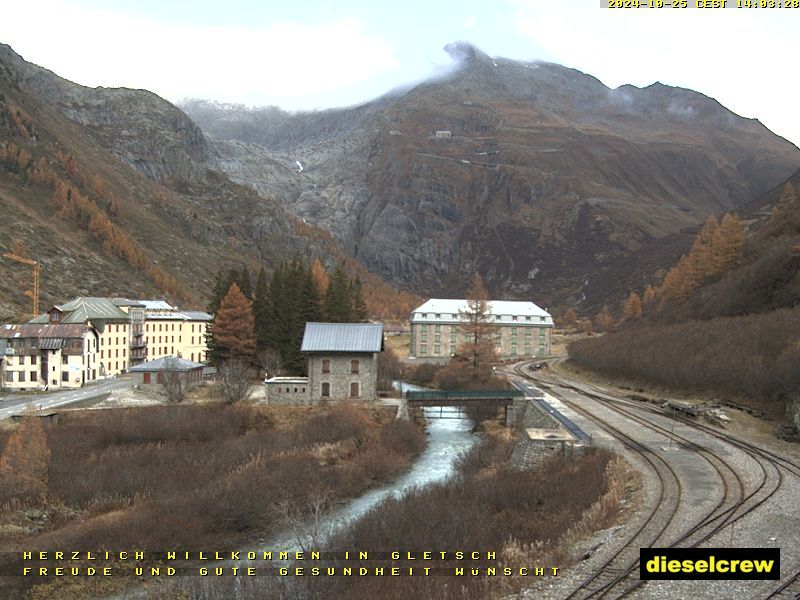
pixel 726 318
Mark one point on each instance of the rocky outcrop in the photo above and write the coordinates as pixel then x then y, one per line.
pixel 541 177
pixel 141 129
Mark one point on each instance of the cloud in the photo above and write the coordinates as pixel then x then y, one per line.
pixel 729 54
pixel 282 63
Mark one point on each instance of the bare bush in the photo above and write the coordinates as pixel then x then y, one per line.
pixel 173 387
pixel 232 383
pixel 270 360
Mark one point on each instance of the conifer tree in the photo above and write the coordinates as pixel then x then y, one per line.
pixel 243 281
pixel 234 327
pixel 358 312
pixel 25 458
pixel 478 330
pixel 632 311
pixel 262 311
pixel 338 299
pixel 321 281
pixel 727 243
pixel 604 320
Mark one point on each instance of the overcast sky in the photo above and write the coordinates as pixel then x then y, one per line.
pixel 317 54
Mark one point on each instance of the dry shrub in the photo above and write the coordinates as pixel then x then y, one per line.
pixel 187 477
pixel 522 515
pixel 753 356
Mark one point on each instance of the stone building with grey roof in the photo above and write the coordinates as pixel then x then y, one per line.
pixel 154 374
pixel 342 365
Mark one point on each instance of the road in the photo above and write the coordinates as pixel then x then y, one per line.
pixel 15 404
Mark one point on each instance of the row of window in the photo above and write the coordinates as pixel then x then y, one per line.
pixel 166 327
pixel 437 349
pixel 453 317
pixel 354 365
pixel 33 376
pixel 355 390
pixel 280 389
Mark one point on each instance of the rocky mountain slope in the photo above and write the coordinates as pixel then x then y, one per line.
pixel 110 190
pixel 541 177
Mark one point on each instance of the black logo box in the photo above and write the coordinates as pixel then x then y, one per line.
pixel 716 560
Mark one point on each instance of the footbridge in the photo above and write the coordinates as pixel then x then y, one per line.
pixel 462 404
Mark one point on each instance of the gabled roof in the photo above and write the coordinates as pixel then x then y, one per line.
pixel 167 363
pixel 43 330
pixel 343 337
pixel 499 309
pixel 83 309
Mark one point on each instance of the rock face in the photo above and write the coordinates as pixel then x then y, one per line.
pixel 141 129
pixel 537 175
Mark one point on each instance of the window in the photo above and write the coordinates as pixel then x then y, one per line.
pixel 354 391
pixel 514 318
pixel 101 353
pixel 55 316
pixel 287 389
pixel 64 376
pixel 326 390
pixel 438 316
pixel 10 376
pixel 543 319
pixel 437 349
pixel 160 378
pixel 437 328
pixel 528 319
pixel 116 352
pixel 437 338
pixel 423 348
pixel 22 376
pixel 146 378
pixel 454 316
pixel 514 330
pixel 64 359
pixel 33 359
pixel 354 366
pixel 326 366
pixel 33 376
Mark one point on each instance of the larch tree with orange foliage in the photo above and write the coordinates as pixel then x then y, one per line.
pixel 632 311
pixel 25 458
pixel 233 329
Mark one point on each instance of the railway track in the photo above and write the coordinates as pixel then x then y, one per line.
pixel 665 525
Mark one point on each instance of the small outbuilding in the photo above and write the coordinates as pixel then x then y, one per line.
pixel 153 375
pixel 286 390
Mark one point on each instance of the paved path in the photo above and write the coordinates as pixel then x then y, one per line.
pixel 16 404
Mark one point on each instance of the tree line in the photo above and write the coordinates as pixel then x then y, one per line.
pixel 264 323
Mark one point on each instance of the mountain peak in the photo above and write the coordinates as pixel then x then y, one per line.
pixel 465 52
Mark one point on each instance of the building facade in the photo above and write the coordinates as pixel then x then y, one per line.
pixel 112 325
pixel 39 356
pixel 134 331
pixel 286 390
pixel 520 329
pixel 172 332
pixel 153 375
pixel 342 360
